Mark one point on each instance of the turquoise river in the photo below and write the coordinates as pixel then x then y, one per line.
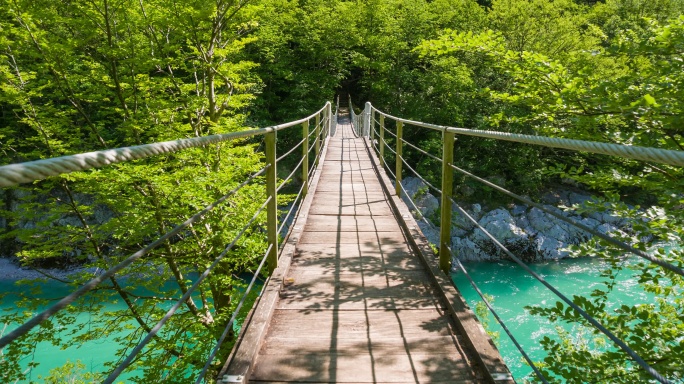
pixel 511 287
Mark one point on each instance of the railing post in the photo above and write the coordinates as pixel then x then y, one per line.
pixel 382 141
pixel 305 155
pixel 333 121
pixel 372 126
pixel 326 123
pixel 400 129
pixel 272 206
pixel 330 119
pixel 447 189
pixel 366 119
pixel 318 136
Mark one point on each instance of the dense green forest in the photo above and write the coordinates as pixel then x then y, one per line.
pixel 84 75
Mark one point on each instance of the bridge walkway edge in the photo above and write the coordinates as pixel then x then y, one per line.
pixel 482 355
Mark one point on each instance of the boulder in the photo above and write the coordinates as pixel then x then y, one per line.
pixel 500 224
pixel 550 248
pixel 412 185
pixel 466 249
pixel 430 232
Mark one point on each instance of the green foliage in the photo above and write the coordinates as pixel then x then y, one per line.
pixel 600 74
pixel 483 315
pixel 71 373
pixel 77 77
pixel 83 76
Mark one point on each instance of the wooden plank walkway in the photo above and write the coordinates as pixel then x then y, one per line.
pixel 357 304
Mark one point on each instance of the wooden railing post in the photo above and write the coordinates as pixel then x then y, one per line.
pixel 272 206
pixel 400 129
pixel 318 136
pixel 305 155
pixel 447 189
pixel 382 141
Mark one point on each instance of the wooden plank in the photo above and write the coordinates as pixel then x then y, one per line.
pixel 363 367
pixel 358 304
pixel 355 324
pixel 373 209
pixel 398 251
pixel 324 223
pixel 475 337
pixel 346 187
pixel 357 264
pixel 345 345
pixel 243 357
pixel 336 176
pixel 342 194
pixel 354 283
pixel 363 238
pixel 350 200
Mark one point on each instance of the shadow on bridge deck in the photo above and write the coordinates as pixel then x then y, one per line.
pixel 354 300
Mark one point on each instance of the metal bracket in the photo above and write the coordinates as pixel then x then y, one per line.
pixel 232 379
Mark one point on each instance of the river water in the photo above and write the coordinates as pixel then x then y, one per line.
pixel 92 354
pixel 513 289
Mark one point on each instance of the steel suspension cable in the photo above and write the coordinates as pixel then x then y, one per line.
pixel 291 150
pixel 410 199
pixel 313 131
pixel 289 177
pixel 422 151
pixel 39 318
pixel 577 224
pixel 294 204
pixel 420 177
pixel 391 150
pixel 394 176
pixel 220 341
pixel 153 332
pixel 14 174
pixel 498 319
pixel 569 302
pixel 665 156
pixel 375 147
pixel 391 133
pixel 315 161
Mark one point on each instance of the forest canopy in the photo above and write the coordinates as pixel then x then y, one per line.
pixel 87 75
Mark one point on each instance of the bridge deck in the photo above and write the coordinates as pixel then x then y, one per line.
pixel 357 305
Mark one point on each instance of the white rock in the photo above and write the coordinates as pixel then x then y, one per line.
pixel 501 225
pixel 465 249
pixel 550 248
pixel 431 233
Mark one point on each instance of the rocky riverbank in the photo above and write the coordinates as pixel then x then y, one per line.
pixel 9 270
pixel 527 231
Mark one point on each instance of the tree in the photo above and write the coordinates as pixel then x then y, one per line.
pixel 627 93
pixel 80 76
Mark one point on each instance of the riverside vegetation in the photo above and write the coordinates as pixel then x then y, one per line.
pixel 86 75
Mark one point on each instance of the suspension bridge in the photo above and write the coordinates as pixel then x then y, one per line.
pixel 355 292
